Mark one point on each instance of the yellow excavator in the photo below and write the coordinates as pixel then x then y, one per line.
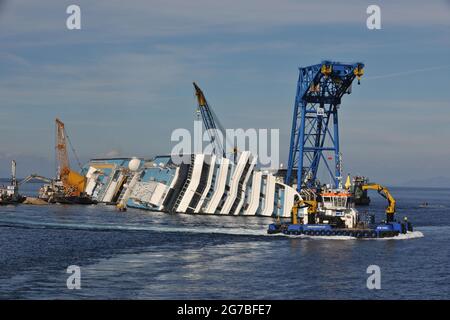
pixel 312 209
pixel 384 192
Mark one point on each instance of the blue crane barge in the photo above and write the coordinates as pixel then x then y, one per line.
pixel 315 126
pixel 327 210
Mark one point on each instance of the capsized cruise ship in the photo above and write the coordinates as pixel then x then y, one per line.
pixel 202 184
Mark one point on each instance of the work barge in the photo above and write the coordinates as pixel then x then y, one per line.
pixel 328 210
pixel 223 184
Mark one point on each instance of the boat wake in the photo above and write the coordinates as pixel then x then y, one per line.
pixel 184 229
pixel 409 235
pixel 111 227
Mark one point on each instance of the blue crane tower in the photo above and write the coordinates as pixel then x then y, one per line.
pixel 315 127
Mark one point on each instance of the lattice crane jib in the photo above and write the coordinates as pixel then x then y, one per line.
pixel 62 156
pixel 210 121
pixel 73 182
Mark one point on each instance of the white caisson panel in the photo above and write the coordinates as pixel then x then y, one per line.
pixel 104 189
pixel 172 184
pixel 158 194
pixel 208 187
pixel 192 187
pixel 129 188
pixel 290 195
pixel 234 182
pixel 244 186
pixel 113 187
pixel 91 177
pixel 150 192
pixel 221 181
pixel 270 196
pixel 253 203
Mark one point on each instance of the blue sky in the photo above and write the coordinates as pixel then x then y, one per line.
pixel 123 82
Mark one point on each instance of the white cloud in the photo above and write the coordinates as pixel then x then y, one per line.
pixel 112 153
pixel 114 19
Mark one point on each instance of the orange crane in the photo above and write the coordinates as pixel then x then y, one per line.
pixel 73 182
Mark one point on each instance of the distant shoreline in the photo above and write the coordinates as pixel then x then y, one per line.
pixel 7 180
pixel 420 187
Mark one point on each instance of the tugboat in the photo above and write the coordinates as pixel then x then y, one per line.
pixel 333 214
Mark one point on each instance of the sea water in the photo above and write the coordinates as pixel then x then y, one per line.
pixel 150 255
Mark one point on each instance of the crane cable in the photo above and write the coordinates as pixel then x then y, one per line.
pixel 226 139
pixel 73 150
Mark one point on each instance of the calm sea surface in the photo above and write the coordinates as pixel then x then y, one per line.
pixel 147 255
